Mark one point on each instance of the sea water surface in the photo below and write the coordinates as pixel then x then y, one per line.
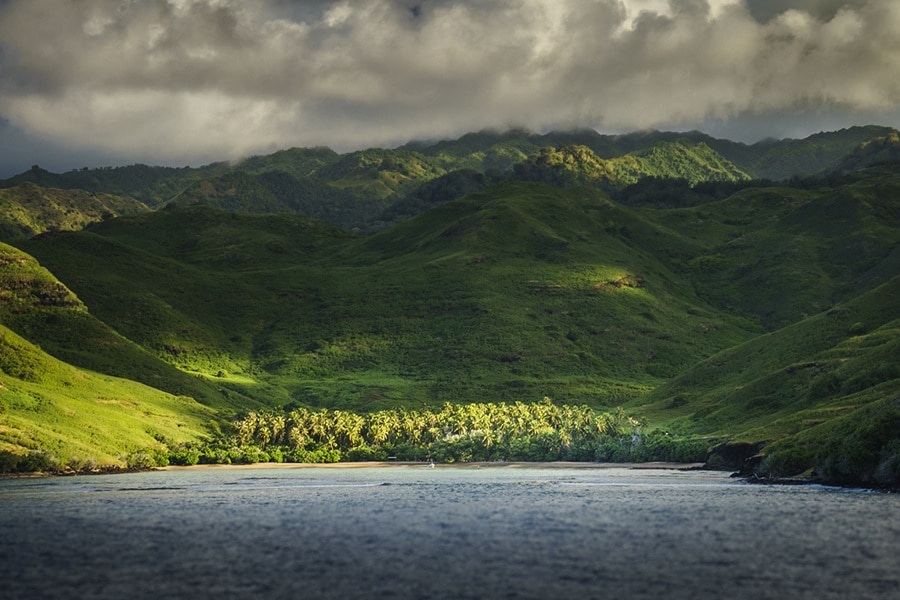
pixel 447 532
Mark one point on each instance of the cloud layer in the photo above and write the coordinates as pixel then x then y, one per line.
pixel 188 80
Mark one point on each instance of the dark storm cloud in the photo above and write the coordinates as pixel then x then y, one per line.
pixel 184 80
pixel 825 10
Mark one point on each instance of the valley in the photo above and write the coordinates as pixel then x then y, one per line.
pixel 715 292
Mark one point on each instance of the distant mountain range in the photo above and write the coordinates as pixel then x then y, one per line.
pixel 372 189
pixel 142 307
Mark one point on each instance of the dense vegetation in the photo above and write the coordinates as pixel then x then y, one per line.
pixel 568 166
pixel 28 209
pixel 540 431
pixel 372 189
pixel 711 307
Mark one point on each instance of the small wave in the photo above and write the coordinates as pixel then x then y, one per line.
pixel 304 486
pixel 651 485
pixel 147 489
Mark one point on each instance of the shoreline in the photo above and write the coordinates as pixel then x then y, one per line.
pixel 460 465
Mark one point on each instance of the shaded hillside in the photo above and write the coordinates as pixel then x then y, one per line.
pixel 28 209
pixel 521 292
pixel 37 306
pixel 279 192
pixel 808 390
pixel 452 186
pixel 360 189
pixel 782 254
pixel 177 289
pixel 788 158
pixel 876 151
pixel 151 185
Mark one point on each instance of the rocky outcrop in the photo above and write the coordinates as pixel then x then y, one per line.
pixel 742 457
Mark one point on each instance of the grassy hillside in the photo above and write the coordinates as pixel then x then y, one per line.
pixel 517 293
pixel 279 192
pixel 59 415
pixel 374 188
pixel 298 162
pixel 28 209
pixel 805 387
pixel 781 254
pixel 151 185
pixel 880 150
pixel 37 306
pixel 764 313
pixel 53 415
pixel 817 153
pixel 379 173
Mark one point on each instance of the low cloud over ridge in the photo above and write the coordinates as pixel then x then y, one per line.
pixel 192 80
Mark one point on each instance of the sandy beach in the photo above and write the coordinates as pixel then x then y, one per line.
pixel 420 465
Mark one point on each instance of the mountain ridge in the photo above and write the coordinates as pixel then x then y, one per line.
pixel 361 189
pixel 514 291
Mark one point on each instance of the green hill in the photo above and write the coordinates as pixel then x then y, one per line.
pixel 362 189
pixel 781 254
pixel 380 173
pixel 151 185
pixel 451 186
pixel 37 306
pixel 52 414
pixel 713 307
pixel 875 151
pixel 568 166
pixel 299 162
pixel 550 302
pixel 825 392
pixel 824 151
pixel 28 209
pixel 279 192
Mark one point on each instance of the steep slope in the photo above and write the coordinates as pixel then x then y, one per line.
pixel 278 192
pixel 193 286
pixel 885 149
pixel 54 416
pixel 37 306
pixel 452 186
pixel 806 387
pixel 781 254
pixel 28 209
pixel 151 185
pixel 788 158
pixel 517 293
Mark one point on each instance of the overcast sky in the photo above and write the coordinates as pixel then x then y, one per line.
pixel 105 82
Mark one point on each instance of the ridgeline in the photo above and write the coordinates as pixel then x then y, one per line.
pixel 148 312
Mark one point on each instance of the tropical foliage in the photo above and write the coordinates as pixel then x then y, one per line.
pixel 711 307
pixel 540 431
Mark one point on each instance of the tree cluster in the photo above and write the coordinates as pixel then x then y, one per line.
pixel 541 431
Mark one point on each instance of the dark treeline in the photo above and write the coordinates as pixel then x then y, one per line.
pixel 453 433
